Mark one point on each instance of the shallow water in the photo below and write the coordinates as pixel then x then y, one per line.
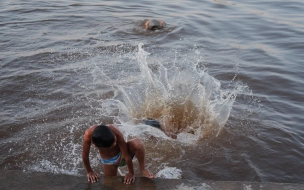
pixel 225 78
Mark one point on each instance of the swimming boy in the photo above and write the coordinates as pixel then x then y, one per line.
pixel 154 24
pixel 114 152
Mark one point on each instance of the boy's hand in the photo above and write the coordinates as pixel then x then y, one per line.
pixel 129 178
pixel 92 177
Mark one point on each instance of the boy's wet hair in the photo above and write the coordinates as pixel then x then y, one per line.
pixel 154 24
pixel 102 136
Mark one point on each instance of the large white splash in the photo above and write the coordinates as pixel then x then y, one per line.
pixel 189 103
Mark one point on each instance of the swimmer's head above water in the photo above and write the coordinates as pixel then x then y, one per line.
pixel 154 24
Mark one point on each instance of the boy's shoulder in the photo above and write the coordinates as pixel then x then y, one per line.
pixel 114 128
pixel 90 130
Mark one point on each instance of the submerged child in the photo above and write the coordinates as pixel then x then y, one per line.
pixel 114 152
pixel 154 24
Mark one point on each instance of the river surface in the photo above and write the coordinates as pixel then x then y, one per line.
pixel 224 78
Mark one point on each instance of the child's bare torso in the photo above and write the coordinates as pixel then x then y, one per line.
pixel 108 153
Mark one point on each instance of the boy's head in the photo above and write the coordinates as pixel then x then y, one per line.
pixel 154 24
pixel 102 136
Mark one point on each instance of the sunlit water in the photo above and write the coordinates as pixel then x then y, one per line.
pixel 224 78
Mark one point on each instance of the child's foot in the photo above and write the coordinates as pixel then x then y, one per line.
pixel 147 173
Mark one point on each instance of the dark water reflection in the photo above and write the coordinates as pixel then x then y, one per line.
pixel 56 56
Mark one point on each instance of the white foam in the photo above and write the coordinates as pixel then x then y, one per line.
pixel 130 130
pixel 169 173
pixel 202 186
pixel 47 166
pixel 187 138
pixel 247 187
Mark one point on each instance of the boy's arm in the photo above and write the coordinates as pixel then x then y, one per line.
pixel 92 176
pixel 147 24
pixel 161 23
pixel 129 177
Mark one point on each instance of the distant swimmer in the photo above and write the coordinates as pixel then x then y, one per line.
pixel 154 24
